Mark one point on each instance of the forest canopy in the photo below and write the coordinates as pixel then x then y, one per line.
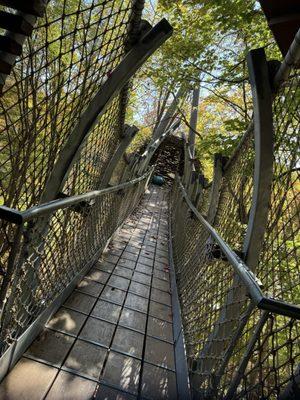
pixel 208 51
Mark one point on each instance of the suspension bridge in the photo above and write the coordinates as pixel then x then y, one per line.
pixel 112 287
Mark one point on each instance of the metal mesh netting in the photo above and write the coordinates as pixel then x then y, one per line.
pixel 279 267
pixel 235 350
pixel 212 299
pixel 54 250
pixel 71 53
pixel 205 283
pixel 235 196
pixel 87 172
pixel 274 364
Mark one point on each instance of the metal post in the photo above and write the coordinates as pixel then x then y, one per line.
pixel 263 170
pixel 193 120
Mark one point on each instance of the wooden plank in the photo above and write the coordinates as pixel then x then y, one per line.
pixel 10 46
pixel 284 20
pixel 15 23
pixel 5 67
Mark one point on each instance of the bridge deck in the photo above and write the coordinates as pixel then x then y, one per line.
pixel 113 338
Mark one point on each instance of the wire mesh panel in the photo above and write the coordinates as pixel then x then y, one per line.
pixel 279 267
pixel 236 195
pixel 274 362
pixel 87 172
pixel 205 282
pixel 273 367
pixel 72 51
pixel 234 349
pixel 55 249
pixel 212 299
pixel 248 320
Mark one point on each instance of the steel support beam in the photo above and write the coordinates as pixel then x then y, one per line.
pixel 263 169
pixel 193 119
pixel 18 27
pixel 33 7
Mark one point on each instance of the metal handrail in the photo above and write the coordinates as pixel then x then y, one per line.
pixel 19 217
pixel 248 278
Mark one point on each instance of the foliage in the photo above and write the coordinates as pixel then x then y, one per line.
pixel 209 46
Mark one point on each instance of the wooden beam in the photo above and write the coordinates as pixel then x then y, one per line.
pixel 34 7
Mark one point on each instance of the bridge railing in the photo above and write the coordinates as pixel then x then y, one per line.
pixel 234 349
pixel 56 244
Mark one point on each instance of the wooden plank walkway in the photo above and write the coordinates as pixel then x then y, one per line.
pixel 113 337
